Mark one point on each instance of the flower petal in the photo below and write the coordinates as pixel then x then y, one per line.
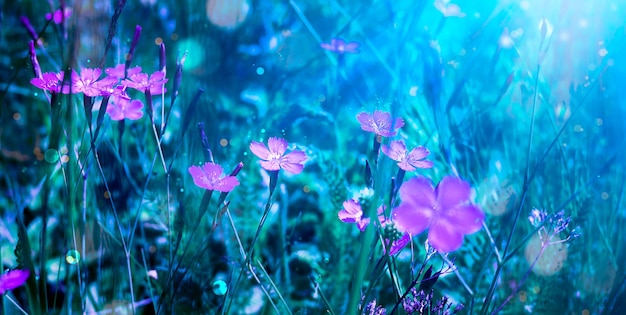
pixel 292 161
pixel 13 279
pixel 452 192
pixel 199 178
pixel 366 120
pixel 418 153
pixel 227 184
pixel 418 191
pixel 277 145
pixel 399 244
pixel 212 171
pixel 272 165
pixel 293 168
pixel 396 150
pixel 411 219
pixel 466 219
pixel 444 237
pixel 260 150
pixel 362 224
pixel 351 209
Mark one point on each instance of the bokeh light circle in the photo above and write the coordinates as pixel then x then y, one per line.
pixel 219 287
pixel 72 257
pixel 51 156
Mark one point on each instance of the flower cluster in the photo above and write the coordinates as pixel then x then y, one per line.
pixel 445 210
pixel 90 83
pixel 420 302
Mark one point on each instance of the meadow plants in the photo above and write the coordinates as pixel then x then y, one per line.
pixel 393 169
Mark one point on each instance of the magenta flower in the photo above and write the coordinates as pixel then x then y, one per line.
pixel 121 106
pixel 407 161
pixel 275 158
pixel 340 46
pixel 399 244
pixel 445 210
pixel 49 81
pixel 58 16
pixel 88 82
pixel 352 213
pixel 13 279
pixel 211 177
pixel 141 82
pixel 118 71
pixel 379 123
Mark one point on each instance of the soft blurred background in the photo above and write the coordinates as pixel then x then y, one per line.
pixel 470 78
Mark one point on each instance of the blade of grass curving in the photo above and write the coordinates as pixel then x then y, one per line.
pixel 329 308
pixel 522 201
pixel 112 28
pixel 267 294
pixel 273 285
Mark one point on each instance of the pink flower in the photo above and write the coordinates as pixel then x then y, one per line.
pixel 339 46
pixel 49 81
pixel 121 106
pixel 352 213
pixel 446 211
pixel 379 123
pixel 58 16
pixel 118 71
pixel 275 158
pixel 448 9
pixel 12 280
pixel 407 161
pixel 141 82
pixel 88 82
pixel 211 177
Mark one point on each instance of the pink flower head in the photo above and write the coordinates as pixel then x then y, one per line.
pixel 407 161
pixel 211 177
pixel 379 123
pixel 340 46
pixel 448 9
pixel 445 210
pixel 141 82
pixel 49 81
pixel 121 106
pixel 58 16
pixel 352 213
pixel 88 82
pixel 118 71
pixel 275 158
pixel 12 280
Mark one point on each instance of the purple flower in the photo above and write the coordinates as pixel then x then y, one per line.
pixel 49 81
pixel 211 177
pixel 340 46
pixel 121 106
pixel 12 280
pixel 399 244
pixel 407 161
pixel 141 82
pixel 58 16
pixel 118 71
pixel 379 123
pixel 88 82
pixel 352 213
pixel 275 158
pixel 445 210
